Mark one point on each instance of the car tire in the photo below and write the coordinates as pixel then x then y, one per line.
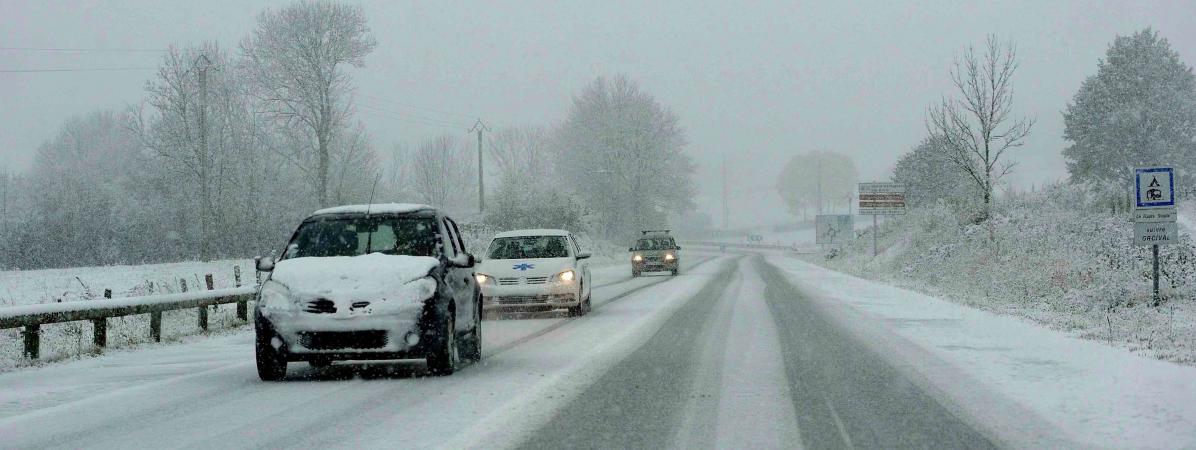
pixel 676 271
pixel 473 345
pixel 635 274
pixel 446 355
pixel 580 309
pixel 271 363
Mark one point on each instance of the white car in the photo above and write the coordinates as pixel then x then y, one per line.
pixel 535 270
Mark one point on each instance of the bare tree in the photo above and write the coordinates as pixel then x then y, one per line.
pixel 521 152
pixel 193 124
pixel 976 129
pixel 437 169
pixel 296 56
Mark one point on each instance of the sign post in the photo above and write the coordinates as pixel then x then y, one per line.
pixel 1154 213
pixel 881 199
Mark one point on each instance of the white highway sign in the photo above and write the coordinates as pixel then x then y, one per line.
pixel 882 199
pixel 1156 233
pixel 1154 187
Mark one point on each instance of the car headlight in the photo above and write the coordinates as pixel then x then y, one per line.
pixel 484 279
pixel 669 257
pixel 276 297
pixel 637 257
pixel 565 277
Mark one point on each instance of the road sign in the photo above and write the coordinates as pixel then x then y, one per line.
pixel 882 199
pixel 1154 187
pixel 1155 233
pixel 1155 215
pixel 833 229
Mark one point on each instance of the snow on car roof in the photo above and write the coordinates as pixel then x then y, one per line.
pixel 533 232
pixel 380 208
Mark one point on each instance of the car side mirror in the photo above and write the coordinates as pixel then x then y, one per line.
pixel 264 264
pixel 677 247
pixel 631 249
pixel 470 261
pixel 584 255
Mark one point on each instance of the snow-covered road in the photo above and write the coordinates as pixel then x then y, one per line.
pixel 740 351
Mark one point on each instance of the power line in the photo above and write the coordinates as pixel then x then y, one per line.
pixel 408 119
pixel 101 69
pixel 407 115
pixel 408 105
pixel 84 50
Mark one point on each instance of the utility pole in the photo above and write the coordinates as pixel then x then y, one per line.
pixel 818 177
pixel 479 128
pixel 202 64
pixel 725 212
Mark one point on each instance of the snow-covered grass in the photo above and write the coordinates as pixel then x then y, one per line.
pixel 1020 380
pixel 71 339
pixel 1054 257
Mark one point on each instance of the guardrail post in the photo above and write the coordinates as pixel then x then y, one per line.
pixel 156 326
pixel 32 340
pixel 242 306
pixel 203 309
pixel 99 327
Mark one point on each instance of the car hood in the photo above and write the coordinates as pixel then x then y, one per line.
pixel 531 267
pixel 371 277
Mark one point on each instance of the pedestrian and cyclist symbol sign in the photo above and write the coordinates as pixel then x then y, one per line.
pixel 1155 187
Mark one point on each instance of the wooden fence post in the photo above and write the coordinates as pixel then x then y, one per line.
pixel 242 306
pixel 99 327
pixel 203 310
pixel 156 326
pixel 32 340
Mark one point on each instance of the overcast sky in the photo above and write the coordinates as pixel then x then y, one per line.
pixel 755 81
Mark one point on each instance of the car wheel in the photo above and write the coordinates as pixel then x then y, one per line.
pixel 473 352
pixel 446 356
pixel 635 273
pixel 676 271
pixel 271 363
pixel 580 309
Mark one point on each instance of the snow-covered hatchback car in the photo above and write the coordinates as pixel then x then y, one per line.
pixel 535 270
pixel 370 282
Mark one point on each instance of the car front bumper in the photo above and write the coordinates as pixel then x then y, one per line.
pixel 654 265
pixel 530 297
pixel 386 335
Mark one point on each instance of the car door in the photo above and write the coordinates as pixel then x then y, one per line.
pixel 583 266
pixel 460 279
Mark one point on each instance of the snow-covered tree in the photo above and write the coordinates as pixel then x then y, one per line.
pixel 297 57
pixel 818 180
pixel 196 126
pixel 441 172
pixel 1138 109
pixel 929 176
pixel 622 152
pixel 976 128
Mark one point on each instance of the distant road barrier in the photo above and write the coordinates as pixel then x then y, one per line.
pixel 32 317
pixel 750 245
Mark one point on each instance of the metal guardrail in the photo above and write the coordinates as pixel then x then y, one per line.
pixel 748 245
pixel 32 317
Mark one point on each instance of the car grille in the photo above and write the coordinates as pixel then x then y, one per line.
pixel 334 340
pixel 517 300
pixel 320 306
pixel 513 281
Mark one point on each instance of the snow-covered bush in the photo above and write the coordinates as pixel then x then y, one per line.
pixel 1057 256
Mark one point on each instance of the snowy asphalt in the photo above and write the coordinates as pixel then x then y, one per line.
pixel 727 355
pixel 705 381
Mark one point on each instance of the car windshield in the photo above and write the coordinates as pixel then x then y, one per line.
pixel 654 244
pixel 526 247
pixel 359 236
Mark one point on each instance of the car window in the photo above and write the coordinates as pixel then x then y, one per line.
pixel 359 236
pixel 654 244
pixel 452 249
pixel 522 247
pixel 457 235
